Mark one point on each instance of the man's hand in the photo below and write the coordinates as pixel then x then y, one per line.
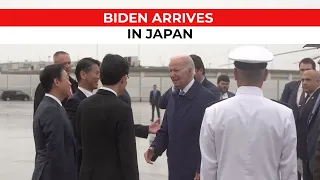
pixel 154 126
pixel 197 177
pixel 148 155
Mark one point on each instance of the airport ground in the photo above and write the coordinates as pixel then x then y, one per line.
pixel 17 146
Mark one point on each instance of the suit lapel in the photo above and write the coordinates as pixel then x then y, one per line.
pixel 51 101
pixel 80 94
pixel 313 112
pixel 64 115
pixel 186 100
pixel 204 82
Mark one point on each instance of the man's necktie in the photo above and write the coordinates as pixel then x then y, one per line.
pixel 302 98
pixel 181 93
pixel 307 97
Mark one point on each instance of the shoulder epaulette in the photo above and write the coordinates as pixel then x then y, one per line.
pixel 285 104
pixel 214 102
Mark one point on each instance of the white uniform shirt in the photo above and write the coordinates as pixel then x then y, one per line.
pixel 248 137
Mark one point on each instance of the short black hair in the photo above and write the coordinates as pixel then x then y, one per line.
pixel 113 68
pixel 224 78
pixel 198 64
pixel 308 61
pixel 250 66
pixel 85 64
pixel 48 74
pixel 58 53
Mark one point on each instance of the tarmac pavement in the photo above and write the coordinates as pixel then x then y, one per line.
pixel 17 146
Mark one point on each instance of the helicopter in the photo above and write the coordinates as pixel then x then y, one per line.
pixel 307 47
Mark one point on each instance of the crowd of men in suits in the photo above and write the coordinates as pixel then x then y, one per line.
pixel 302 97
pixel 207 131
pixel 56 122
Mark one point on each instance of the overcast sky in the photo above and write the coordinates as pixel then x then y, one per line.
pixel 151 55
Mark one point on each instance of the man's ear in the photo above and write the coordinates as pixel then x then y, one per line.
pixel 235 74
pixel 265 75
pixel 83 75
pixel 56 82
pixel 123 79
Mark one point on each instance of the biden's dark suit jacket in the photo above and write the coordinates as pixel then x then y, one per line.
pixel 179 133
pixel 106 131
pixel 54 141
pixel 164 99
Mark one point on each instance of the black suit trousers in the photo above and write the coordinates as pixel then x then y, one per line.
pixel 158 110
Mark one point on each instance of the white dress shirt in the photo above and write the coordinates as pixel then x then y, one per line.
pixel 224 96
pixel 108 89
pixel 53 97
pixel 248 137
pixel 85 92
pixel 186 89
pixel 300 90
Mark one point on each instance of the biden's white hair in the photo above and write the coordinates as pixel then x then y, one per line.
pixel 186 61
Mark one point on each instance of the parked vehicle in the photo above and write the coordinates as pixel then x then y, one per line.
pixel 8 95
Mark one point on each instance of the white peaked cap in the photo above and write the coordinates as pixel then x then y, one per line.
pixel 251 54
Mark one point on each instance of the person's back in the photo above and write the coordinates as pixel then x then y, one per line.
pixel 260 132
pixel 104 137
pixel 249 137
pixel 105 128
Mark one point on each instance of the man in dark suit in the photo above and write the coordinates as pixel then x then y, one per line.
pixel 53 133
pixel 313 140
pixel 88 76
pixel 154 101
pixel 105 127
pixel 60 57
pixel 223 85
pixel 141 131
pixel 125 97
pixel 310 83
pixel 293 90
pixel 186 106
pixel 199 76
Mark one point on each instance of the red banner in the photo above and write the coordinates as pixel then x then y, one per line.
pixel 159 17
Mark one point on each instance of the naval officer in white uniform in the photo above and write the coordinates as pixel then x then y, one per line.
pixel 248 137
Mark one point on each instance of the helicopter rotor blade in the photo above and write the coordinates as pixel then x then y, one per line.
pixel 289 52
pixel 284 53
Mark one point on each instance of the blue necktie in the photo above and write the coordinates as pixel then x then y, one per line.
pixel 181 93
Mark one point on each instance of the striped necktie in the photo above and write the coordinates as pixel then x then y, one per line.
pixel 181 93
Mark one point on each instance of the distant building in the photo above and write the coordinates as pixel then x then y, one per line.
pixel 133 61
pixel 26 66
